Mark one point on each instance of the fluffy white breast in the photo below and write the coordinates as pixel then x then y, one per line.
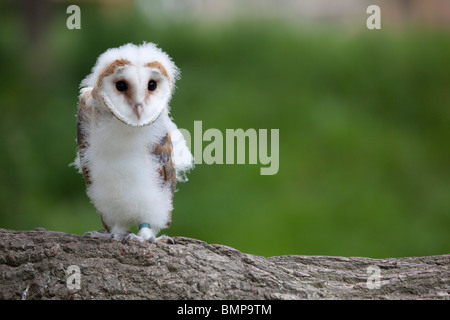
pixel 126 187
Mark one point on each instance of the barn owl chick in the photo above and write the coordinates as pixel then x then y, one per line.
pixel 130 152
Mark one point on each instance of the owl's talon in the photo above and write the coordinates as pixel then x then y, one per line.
pixel 152 239
pixel 117 236
pixel 165 239
pixel 132 236
pixel 97 234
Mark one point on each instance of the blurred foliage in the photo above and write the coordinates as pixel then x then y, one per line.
pixel 363 119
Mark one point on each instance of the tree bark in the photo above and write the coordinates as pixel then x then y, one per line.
pixel 41 264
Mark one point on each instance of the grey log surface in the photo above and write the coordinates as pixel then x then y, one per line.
pixel 34 265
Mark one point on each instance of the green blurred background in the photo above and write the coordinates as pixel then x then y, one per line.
pixel 363 118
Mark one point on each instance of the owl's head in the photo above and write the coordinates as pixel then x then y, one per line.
pixel 135 83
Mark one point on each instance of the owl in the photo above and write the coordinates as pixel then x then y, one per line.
pixel 130 151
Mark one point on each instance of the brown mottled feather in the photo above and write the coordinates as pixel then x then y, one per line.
pixel 109 70
pixel 84 117
pixel 160 67
pixel 163 152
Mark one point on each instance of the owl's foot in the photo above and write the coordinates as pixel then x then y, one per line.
pixel 163 239
pixel 103 234
pixel 147 235
pixel 134 237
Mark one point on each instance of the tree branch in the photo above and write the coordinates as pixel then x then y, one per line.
pixel 36 265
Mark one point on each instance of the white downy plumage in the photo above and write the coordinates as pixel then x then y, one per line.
pixel 123 116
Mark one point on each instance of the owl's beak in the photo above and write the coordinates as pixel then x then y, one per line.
pixel 138 108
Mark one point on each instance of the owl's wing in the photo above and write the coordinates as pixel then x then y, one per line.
pixel 84 117
pixel 182 156
pixel 163 152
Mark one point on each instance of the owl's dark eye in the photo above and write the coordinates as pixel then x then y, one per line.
pixel 121 86
pixel 152 85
